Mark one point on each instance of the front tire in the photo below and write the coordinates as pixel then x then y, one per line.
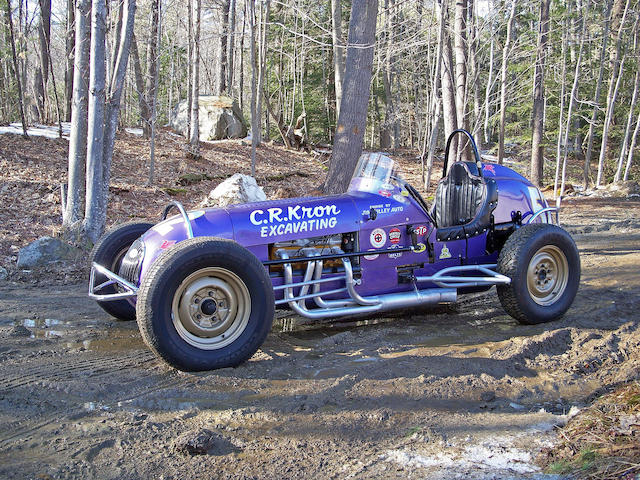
pixel 205 304
pixel 109 252
pixel 543 263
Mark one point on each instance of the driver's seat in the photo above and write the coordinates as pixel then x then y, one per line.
pixel 464 202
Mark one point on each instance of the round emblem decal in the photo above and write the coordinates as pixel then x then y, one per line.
pixel 371 257
pixel 394 236
pixel 378 238
pixel 421 230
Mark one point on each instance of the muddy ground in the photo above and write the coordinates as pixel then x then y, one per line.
pixel 463 392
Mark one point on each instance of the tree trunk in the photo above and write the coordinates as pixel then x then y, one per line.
pixel 95 202
pixel 190 72
pixel 222 71
pixel 537 135
pixel 338 51
pixel 596 97
pixel 152 65
pixel 503 83
pixel 459 46
pixel 69 55
pixel 634 136
pixel 194 139
pixel 16 68
pixel 627 131
pixel 78 138
pixel 616 73
pixel 447 82
pixel 44 36
pixel 489 86
pixel 357 83
pixel 143 105
pixel 230 44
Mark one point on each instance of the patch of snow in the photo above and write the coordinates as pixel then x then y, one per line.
pixel 134 131
pixel 412 459
pixel 38 130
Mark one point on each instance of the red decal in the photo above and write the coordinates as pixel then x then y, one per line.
pixel 384 193
pixel 489 168
pixel 394 236
pixel 167 244
pixel 421 230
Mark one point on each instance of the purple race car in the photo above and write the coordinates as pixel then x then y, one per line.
pixel 203 285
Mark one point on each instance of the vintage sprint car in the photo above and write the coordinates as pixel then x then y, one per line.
pixel 203 285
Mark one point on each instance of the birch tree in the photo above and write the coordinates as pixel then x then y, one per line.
pixel 503 81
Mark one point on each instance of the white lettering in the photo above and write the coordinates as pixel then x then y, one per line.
pixel 274 214
pixel 263 231
pixel 293 212
pixel 253 215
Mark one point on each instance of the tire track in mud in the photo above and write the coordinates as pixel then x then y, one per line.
pixel 95 367
pixel 69 370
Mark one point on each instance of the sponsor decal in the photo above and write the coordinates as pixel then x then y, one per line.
pixel 378 238
pixel 404 193
pixel 421 247
pixel 382 209
pixel 444 253
pixel 371 257
pixel 399 198
pixel 167 243
pixel 489 168
pixel 394 236
pixel 421 230
pixel 396 254
pixel 294 219
pixel 387 186
pixel 384 193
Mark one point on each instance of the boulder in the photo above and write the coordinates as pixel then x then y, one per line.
pixel 220 117
pixel 238 188
pixel 45 250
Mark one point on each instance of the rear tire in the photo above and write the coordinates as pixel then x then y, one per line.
pixel 109 252
pixel 543 263
pixel 205 304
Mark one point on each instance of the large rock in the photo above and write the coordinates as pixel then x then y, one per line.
pixel 45 250
pixel 236 189
pixel 220 117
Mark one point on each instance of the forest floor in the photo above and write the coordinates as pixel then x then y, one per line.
pixel 460 392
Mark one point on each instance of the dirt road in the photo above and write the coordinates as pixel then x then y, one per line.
pixel 463 392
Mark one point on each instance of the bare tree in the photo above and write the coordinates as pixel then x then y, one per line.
pixel 351 126
pixel 596 97
pixel 103 113
pixel 447 74
pixel 616 73
pixel 69 54
pixel 537 148
pixel 338 51
pixel 16 68
pixel 42 76
pixel 503 82
pixel 194 139
pixel 78 137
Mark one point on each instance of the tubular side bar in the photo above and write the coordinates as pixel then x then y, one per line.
pixel 131 289
pixel 445 279
pixel 355 304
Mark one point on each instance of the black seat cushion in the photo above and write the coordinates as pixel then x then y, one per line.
pixel 464 203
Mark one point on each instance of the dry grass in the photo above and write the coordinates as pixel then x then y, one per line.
pixel 603 441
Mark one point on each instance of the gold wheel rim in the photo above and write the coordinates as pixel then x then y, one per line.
pixel 547 275
pixel 211 308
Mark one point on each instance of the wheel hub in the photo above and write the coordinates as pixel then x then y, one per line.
pixel 547 275
pixel 211 308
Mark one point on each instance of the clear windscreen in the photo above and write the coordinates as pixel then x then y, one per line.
pixel 376 173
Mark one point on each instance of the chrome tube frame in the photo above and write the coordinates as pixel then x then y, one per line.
pixel 555 210
pixel 355 304
pixel 183 212
pixel 131 289
pixel 444 279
